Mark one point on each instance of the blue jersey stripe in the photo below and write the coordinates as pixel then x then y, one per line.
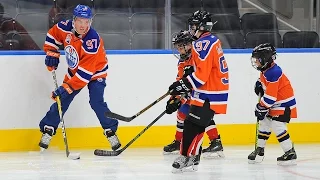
pixel 212 97
pixel 84 75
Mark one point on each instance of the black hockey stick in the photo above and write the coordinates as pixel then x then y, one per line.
pixel 100 152
pixel 128 119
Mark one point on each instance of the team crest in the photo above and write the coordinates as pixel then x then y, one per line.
pixel 71 56
pixel 68 38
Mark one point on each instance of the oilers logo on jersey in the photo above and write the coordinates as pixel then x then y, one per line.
pixel 71 57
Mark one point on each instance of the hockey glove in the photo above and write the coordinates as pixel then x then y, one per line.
pixel 261 112
pixel 172 105
pixel 63 91
pixel 258 89
pixel 187 71
pixel 180 87
pixel 52 60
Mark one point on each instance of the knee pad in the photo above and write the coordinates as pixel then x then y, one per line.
pixel 201 115
pixel 279 127
pixel 265 125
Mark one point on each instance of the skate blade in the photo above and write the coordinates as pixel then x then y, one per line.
pixel 213 155
pixel 192 168
pixel 258 160
pixel 287 163
pixel 171 153
pixel 42 150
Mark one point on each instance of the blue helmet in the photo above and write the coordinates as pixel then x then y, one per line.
pixel 82 11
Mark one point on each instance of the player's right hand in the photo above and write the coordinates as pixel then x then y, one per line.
pixel 52 60
pixel 63 91
pixel 173 104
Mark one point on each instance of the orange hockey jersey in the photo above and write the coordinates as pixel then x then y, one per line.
pixel 85 55
pixel 278 92
pixel 211 78
pixel 181 66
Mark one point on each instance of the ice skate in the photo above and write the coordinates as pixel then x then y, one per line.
pixel 215 150
pixel 184 163
pixel 113 139
pixel 46 137
pixel 172 148
pixel 289 158
pixel 256 156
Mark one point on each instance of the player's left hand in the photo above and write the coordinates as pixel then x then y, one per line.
pixel 63 91
pixel 173 104
pixel 180 87
pixel 261 112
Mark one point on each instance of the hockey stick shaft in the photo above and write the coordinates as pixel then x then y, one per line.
pixel 64 133
pixel 99 152
pixel 128 119
pixel 257 127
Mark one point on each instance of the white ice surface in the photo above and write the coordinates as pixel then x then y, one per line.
pixel 151 164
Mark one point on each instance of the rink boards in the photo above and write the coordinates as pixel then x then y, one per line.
pixel 135 79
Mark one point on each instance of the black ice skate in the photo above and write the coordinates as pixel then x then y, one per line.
pixel 46 137
pixel 172 148
pixel 113 139
pixel 256 156
pixel 182 163
pixel 215 150
pixel 289 158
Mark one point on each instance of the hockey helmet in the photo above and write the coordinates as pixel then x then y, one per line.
pixel 182 40
pixel 264 54
pixel 82 11
pixel 200 20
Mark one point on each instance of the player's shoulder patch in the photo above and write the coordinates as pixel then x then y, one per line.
pixel 91 41
pixel 203 45
pixel 65 25
pixel 273 74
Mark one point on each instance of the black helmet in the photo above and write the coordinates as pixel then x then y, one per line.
pixel 202 20
pixel 265 54
pixel 182 39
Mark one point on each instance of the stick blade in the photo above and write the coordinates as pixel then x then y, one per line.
pixel 74 156
pixel 100 152
pixel 117 116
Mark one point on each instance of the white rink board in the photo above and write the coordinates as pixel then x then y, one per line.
pixel 134 81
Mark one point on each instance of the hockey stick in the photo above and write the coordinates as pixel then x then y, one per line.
pixel 73 156
pixel 100 152
pixel 128 119
pixel 257 127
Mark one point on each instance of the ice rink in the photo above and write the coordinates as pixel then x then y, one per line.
pixel 151 164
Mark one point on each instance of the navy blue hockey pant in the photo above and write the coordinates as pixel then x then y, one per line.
pixel 96 91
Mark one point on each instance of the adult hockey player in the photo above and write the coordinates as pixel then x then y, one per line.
pixel 276 107
pixel 209 85
pixel 87 66
pixel 184 39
